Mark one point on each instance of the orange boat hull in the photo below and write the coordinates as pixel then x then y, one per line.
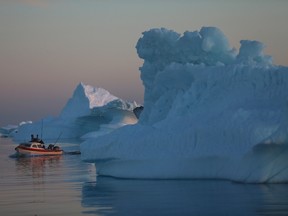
pixel 22 150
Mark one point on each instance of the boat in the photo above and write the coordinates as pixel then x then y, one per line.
pixel 37 147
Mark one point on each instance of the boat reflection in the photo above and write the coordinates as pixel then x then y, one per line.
pixel 109 196
pixel 37 167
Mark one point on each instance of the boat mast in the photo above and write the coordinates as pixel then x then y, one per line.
pixel 41 129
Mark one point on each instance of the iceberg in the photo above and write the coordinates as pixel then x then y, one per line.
pixel 91 111
pixel 9 130
pixel 210 112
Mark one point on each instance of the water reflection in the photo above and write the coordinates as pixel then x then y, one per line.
pixel 37 167
pixel 109 196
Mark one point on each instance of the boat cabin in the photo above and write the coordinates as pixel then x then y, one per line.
pixel 33 145
pixel 37 145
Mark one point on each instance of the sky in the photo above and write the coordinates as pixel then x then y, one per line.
pixel 47 47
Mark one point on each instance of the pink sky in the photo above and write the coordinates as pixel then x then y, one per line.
pixel 48 47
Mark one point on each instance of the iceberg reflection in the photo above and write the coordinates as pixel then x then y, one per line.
pixel 110 196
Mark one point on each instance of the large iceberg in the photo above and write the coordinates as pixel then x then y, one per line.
pixel 89 112
pixel 210 112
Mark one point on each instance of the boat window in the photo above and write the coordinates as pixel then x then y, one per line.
pixel 37 145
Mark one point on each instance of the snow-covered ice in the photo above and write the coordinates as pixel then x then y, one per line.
pixel 210 111
pixel 89 112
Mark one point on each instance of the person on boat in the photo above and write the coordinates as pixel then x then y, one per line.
pixel 32 138
pixel 50 147
pixel 39 140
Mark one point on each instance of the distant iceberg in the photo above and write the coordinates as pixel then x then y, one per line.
pixel 209 112
pixel 90 111
pixel 10 130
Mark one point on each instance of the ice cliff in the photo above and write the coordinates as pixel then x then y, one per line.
pixel 210 112
pixel 90 111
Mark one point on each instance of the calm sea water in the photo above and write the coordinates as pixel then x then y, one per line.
pixel 64 185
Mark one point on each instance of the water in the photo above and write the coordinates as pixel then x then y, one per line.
pixel 64 185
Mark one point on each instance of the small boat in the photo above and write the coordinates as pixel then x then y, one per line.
pixel 36 147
